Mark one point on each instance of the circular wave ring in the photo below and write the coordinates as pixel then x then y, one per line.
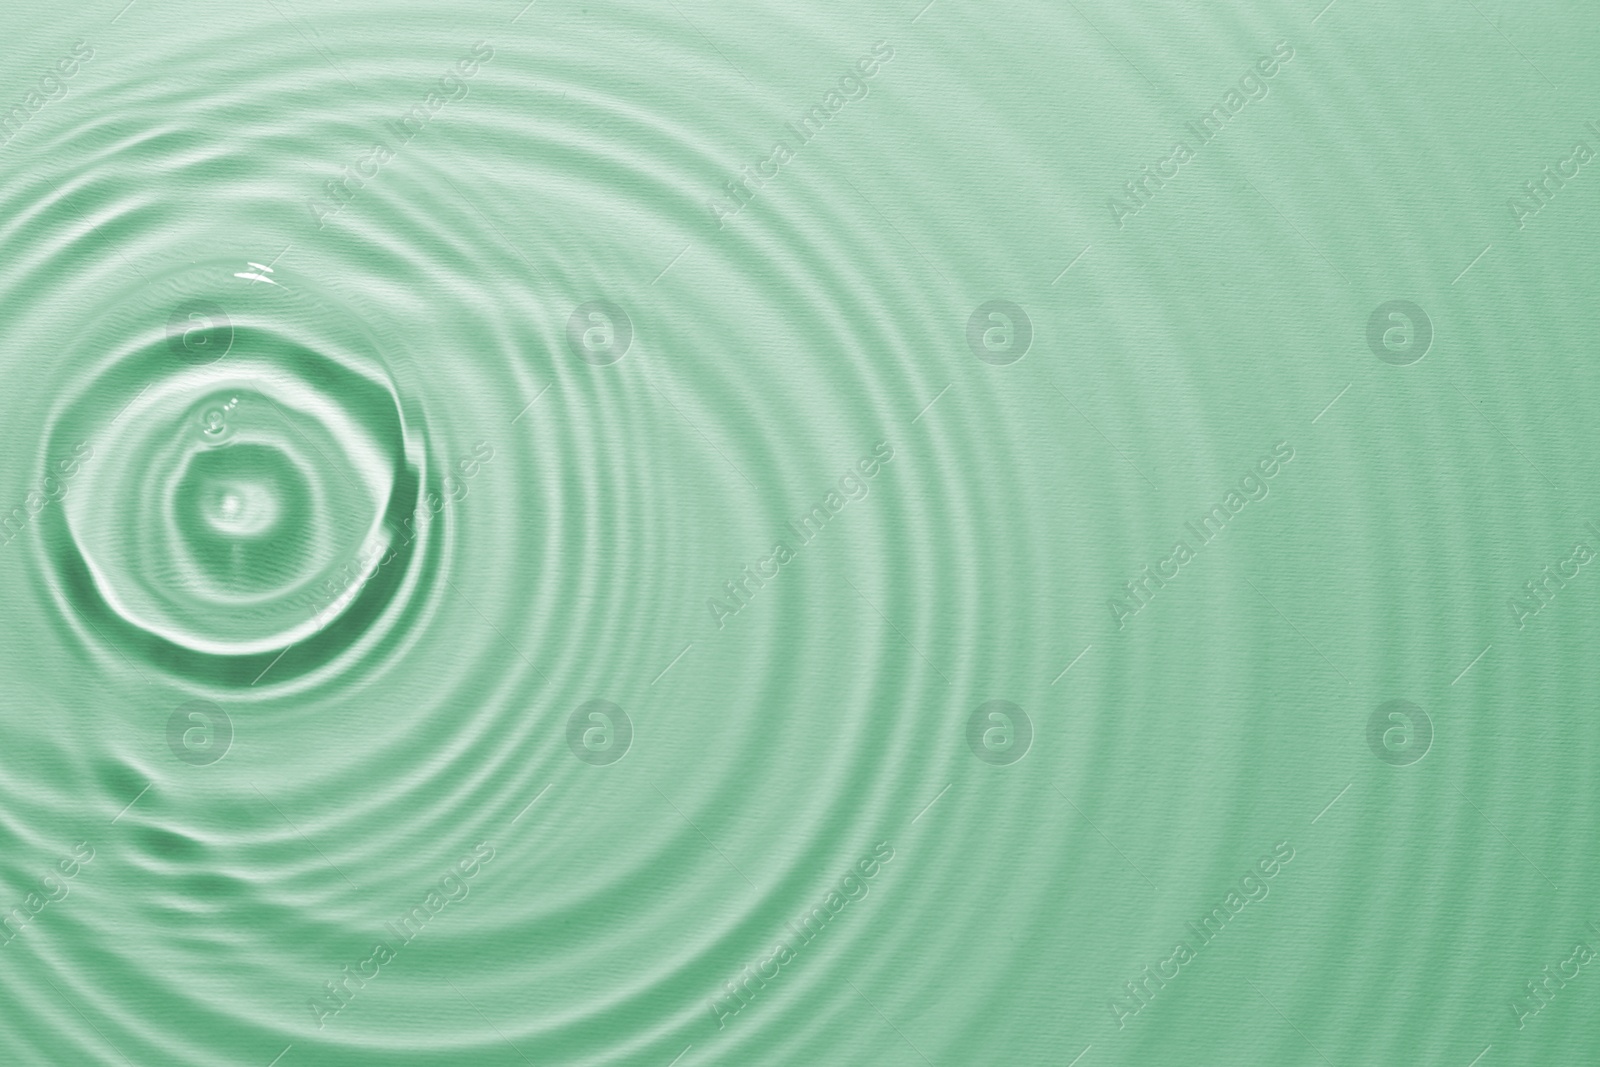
pixel 237 476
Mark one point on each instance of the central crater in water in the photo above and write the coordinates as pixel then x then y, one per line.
pixel 251 480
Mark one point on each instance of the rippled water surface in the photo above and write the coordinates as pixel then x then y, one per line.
pixel 685 534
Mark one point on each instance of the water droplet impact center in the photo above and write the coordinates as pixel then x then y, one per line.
pixel 240 506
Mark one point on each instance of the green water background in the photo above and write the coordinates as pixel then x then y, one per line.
pixel 769 356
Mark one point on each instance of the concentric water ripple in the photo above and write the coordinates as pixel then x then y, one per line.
pixel 507 565
pixel 243 478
